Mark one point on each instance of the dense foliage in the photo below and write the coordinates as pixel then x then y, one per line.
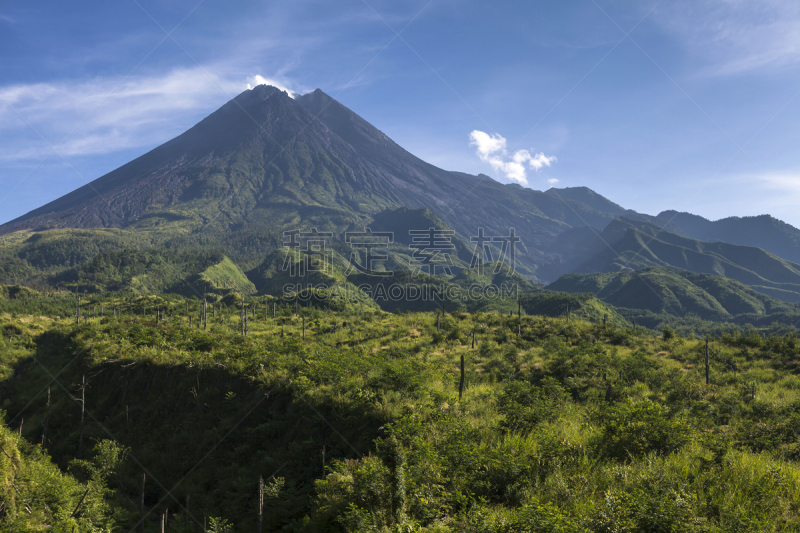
pixel 36 495
pixel 355 421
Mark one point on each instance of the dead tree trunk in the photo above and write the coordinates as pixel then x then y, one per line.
pixel 83 410
pixel 461 382
pixel 260 503
pixel 141 505
pixel 46 421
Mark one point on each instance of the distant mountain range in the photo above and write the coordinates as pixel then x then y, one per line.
pixel 633 245
pixel 678 293
pixel 265 163
pixel 771 234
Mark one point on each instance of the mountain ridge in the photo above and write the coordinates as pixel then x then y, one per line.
pixel 633 245
pixel 763 231
pixel 265 163
pixel 676 292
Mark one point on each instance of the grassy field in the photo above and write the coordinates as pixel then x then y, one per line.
pixel 361 420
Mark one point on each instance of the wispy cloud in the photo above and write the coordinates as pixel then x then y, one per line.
pixel 775 192
pixel 6 18
pixel 736 36
pixel 492 149
pixel 136 112
pixel 786 183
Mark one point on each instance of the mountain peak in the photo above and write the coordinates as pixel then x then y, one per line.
pixel 589 197
pixel 266 89
pixel 263 92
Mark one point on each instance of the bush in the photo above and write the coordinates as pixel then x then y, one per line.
pixel 525 404
pixel 542 518
pixel 486 348
pixel 511 354
pixel 534 517
pixel 454 335
pixel 639 427
pixel 641 510
pixel 619 336
pixel 357 494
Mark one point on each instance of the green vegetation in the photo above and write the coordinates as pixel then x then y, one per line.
pixel 225 275
pixel 636 245
pixel 355 421
pixel 690 302
pixel 36 495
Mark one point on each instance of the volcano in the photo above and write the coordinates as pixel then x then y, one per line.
pixel 266 162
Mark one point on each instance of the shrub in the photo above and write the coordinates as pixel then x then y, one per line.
pixel 525 404
pixel 454 334
pixel 511 353
pixel 641 511
pixel 543 518
pixel 534 517
pixel 633 429
pixel 486 348
pixel 355 496
pixel 619 336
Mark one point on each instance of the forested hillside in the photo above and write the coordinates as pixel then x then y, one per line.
pixel 361 420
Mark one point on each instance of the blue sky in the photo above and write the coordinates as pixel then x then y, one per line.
pixel 678 104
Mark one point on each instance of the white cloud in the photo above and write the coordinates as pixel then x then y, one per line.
pixel 552 181
pixel 492 149
pixel 105 115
